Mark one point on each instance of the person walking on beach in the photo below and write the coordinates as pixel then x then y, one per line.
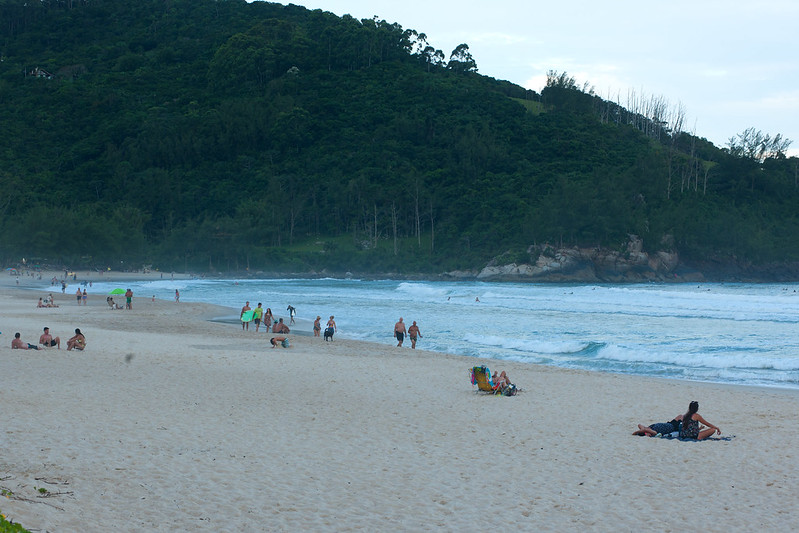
pixel 48 340
pixel 292 313
pixel 399 331
pixel 268 318
pixel 317 326
pixel 258 312
pixel 128 299
pixel 413 333
pixel 85 297
pixel 245 324
pixel 78 295
pixel 177 296
pixel 691 428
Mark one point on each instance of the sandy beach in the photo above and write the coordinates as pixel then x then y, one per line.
pixel 170 422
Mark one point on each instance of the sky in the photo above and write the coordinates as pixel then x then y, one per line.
pixel 729 65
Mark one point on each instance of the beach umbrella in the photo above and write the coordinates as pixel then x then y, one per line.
pixel 117 291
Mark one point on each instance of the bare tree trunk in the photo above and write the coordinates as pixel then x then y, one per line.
pixel 432 229
pixel 418 217
pixel 678 115
pixel 375 228
pixel 292 223
pixel 394 224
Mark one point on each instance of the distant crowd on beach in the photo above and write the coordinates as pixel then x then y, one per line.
pixel 261 316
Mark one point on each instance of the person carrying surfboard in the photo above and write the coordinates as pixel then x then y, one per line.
pixel 245 324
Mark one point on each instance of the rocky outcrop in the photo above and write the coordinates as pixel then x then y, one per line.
pixel 547 263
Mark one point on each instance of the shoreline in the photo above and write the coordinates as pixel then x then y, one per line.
pixel 223 314
pixel 168 421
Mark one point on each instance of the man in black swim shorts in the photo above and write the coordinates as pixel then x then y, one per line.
pixel 48 340
pixel 399 331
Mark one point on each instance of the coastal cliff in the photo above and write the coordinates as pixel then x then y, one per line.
pixel 632 264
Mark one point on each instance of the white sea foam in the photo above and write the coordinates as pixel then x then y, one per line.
pixel 735 333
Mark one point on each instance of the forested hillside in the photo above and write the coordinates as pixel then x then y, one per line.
pixel 221 135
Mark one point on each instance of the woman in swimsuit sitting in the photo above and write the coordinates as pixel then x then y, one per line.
pixel 78 341
pixel 690 424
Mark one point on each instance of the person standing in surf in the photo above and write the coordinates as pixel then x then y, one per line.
pixel 413 333
pixel 399 332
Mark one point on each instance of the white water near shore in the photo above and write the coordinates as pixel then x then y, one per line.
pixel 723 333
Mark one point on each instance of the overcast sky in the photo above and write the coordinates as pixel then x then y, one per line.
pixel 730 64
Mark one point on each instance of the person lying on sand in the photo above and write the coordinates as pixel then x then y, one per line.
pixel 78 341
pixel 18 344
pixel 501 381
pixel 284 342
pixel 659 428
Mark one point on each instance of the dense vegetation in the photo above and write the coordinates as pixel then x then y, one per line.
pixel 207 134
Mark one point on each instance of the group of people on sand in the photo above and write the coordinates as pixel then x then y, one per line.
pixel 260 316
pixel 690 425
pixel 47 301
pixel 82 296
pixel 47 340
pixel 330 327
pixel 413 333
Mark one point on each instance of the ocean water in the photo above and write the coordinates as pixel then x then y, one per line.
pixel 724 333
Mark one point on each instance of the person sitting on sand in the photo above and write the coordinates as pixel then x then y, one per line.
pixel 78 341
pixel 284 341
pixel 19 344
pixel 659 428
pixel 40 304
pixel 691 428
pixel 48 340
pixel 280 327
